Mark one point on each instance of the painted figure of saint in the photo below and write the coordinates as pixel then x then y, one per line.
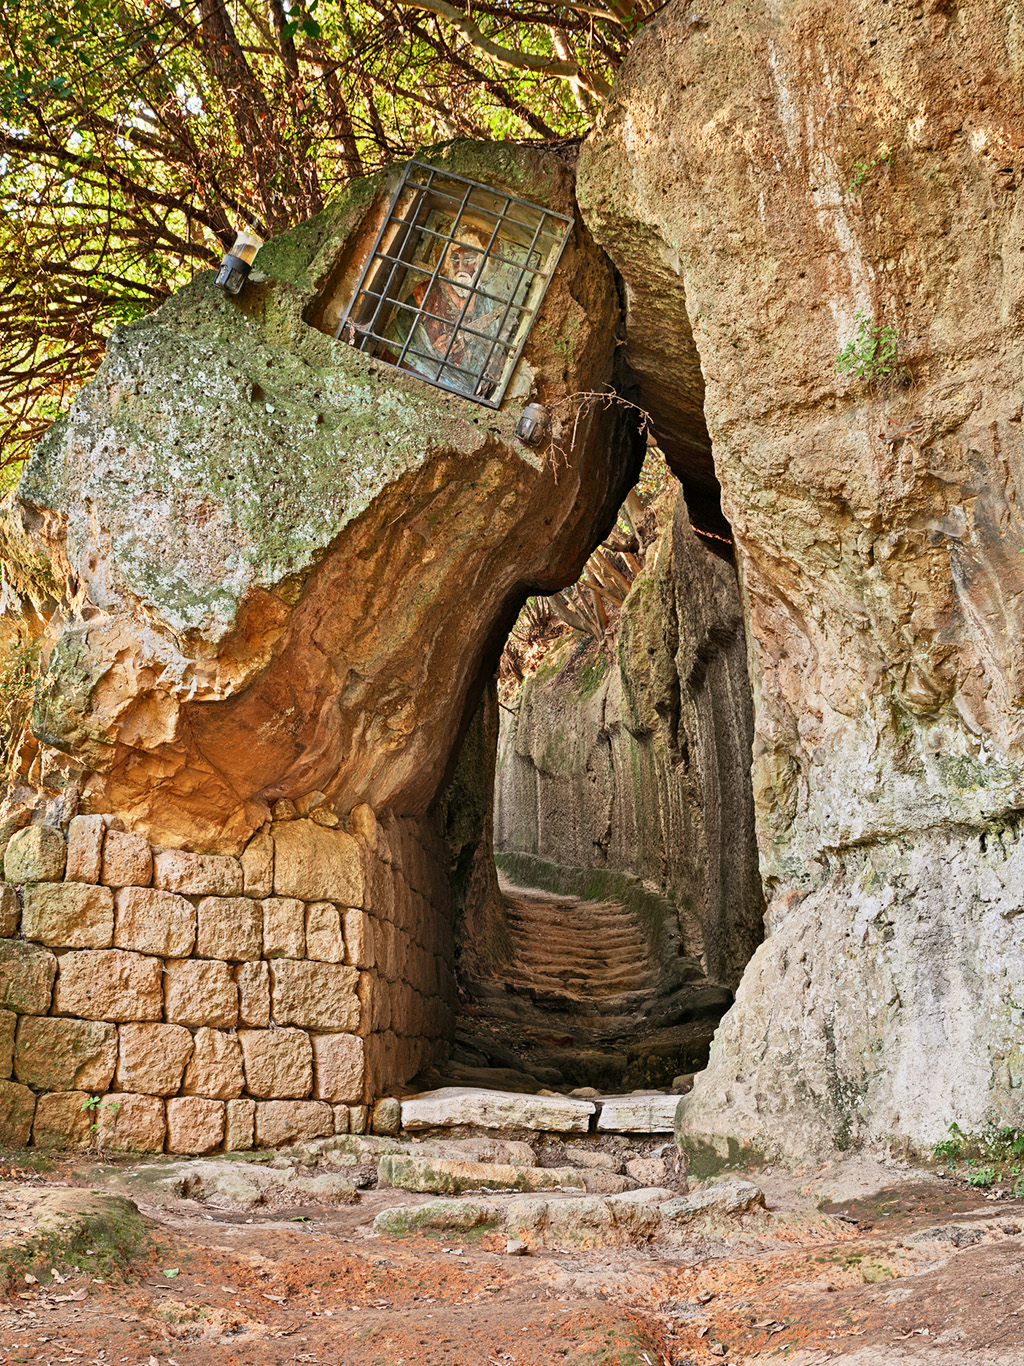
pixel 441 329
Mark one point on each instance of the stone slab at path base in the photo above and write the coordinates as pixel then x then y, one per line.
pixel 651 1113
pixel 454 1106
pixel 466 1106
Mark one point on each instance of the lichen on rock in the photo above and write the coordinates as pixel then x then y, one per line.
pixel 285 566
pixel 877 527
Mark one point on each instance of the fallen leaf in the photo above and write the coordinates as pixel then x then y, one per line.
pixel 171 1271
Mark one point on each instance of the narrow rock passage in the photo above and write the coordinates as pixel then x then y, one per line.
pixel 583 1001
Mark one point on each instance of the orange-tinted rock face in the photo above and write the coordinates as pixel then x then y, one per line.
pixel 284 568
pixel 780 170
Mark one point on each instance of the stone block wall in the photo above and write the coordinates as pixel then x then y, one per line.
pixel 153 999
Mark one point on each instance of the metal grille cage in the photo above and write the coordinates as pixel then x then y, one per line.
pixel 454 282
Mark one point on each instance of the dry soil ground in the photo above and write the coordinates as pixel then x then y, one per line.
pixel 311 1285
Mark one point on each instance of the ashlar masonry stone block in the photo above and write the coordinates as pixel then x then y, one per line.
pixel 68 915
pixel 149 921
pixel 36 854
pixel 8 1024
pixel 109 984
pixel 131 1123
pixel 152 1058
pixel 10 911
pixel 314 995
pixel 17 1109
pixel 200 992
pixel 240 1126
pixel 230 927
pixel 325 940
pixel 127 860
pixel 85 849
pixel 278 1062
pixel 198 874
pixel 65 1055
pixel 26 977
pixel 288 1121
pixel 338 1068
pixel 194 1125
pixel 215 1068
pixel 358 931
pixel 316 864
pixel 258 865
pixel 386 1117
pixel 374 1003
pixel 284 927
pixel 253 981
pixel 62 1120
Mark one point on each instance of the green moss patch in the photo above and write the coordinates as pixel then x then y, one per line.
pixel 439 1218
pixel 101 1234
pixel 709 1159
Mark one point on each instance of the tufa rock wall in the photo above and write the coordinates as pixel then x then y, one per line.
pixel 166 1000
pixel 640 764
pixel 264 564
pixel 782 169
pixel 259 565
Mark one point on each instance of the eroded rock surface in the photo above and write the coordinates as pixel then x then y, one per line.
pixel 638 763
pixel 777 171
pixel 272 566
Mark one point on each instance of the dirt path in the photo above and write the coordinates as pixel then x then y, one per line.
pixel 310 1285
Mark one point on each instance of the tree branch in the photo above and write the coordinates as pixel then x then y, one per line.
pixel 506 56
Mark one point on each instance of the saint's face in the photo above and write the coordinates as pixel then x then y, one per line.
pixel 461 265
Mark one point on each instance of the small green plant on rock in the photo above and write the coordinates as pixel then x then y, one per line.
pixel 981 1178
pixel 884 154
pixel 873 353
pixel 993 1155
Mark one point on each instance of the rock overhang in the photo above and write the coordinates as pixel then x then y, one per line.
pixel 270 545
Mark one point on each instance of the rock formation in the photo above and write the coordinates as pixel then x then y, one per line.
pixel 639 763
pixel 269 577
pixel 786 184
pixel 280 567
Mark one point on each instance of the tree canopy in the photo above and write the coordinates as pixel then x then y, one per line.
pixel 136 137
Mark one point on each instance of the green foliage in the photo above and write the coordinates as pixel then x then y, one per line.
pixel 873 353
pixel 994 1154
pixel 883 156
pixel 982 1177
pixel 18 667
pixel 948 1149
pixel 137 137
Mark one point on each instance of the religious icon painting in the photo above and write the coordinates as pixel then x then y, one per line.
pixel 454 282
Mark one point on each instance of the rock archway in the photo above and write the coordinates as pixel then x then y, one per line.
pixel 269 577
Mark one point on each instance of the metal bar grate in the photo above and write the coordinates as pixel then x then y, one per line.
pixel 454 281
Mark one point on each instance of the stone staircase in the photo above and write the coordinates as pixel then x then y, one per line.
pixel 584 951
pixel 584 1002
